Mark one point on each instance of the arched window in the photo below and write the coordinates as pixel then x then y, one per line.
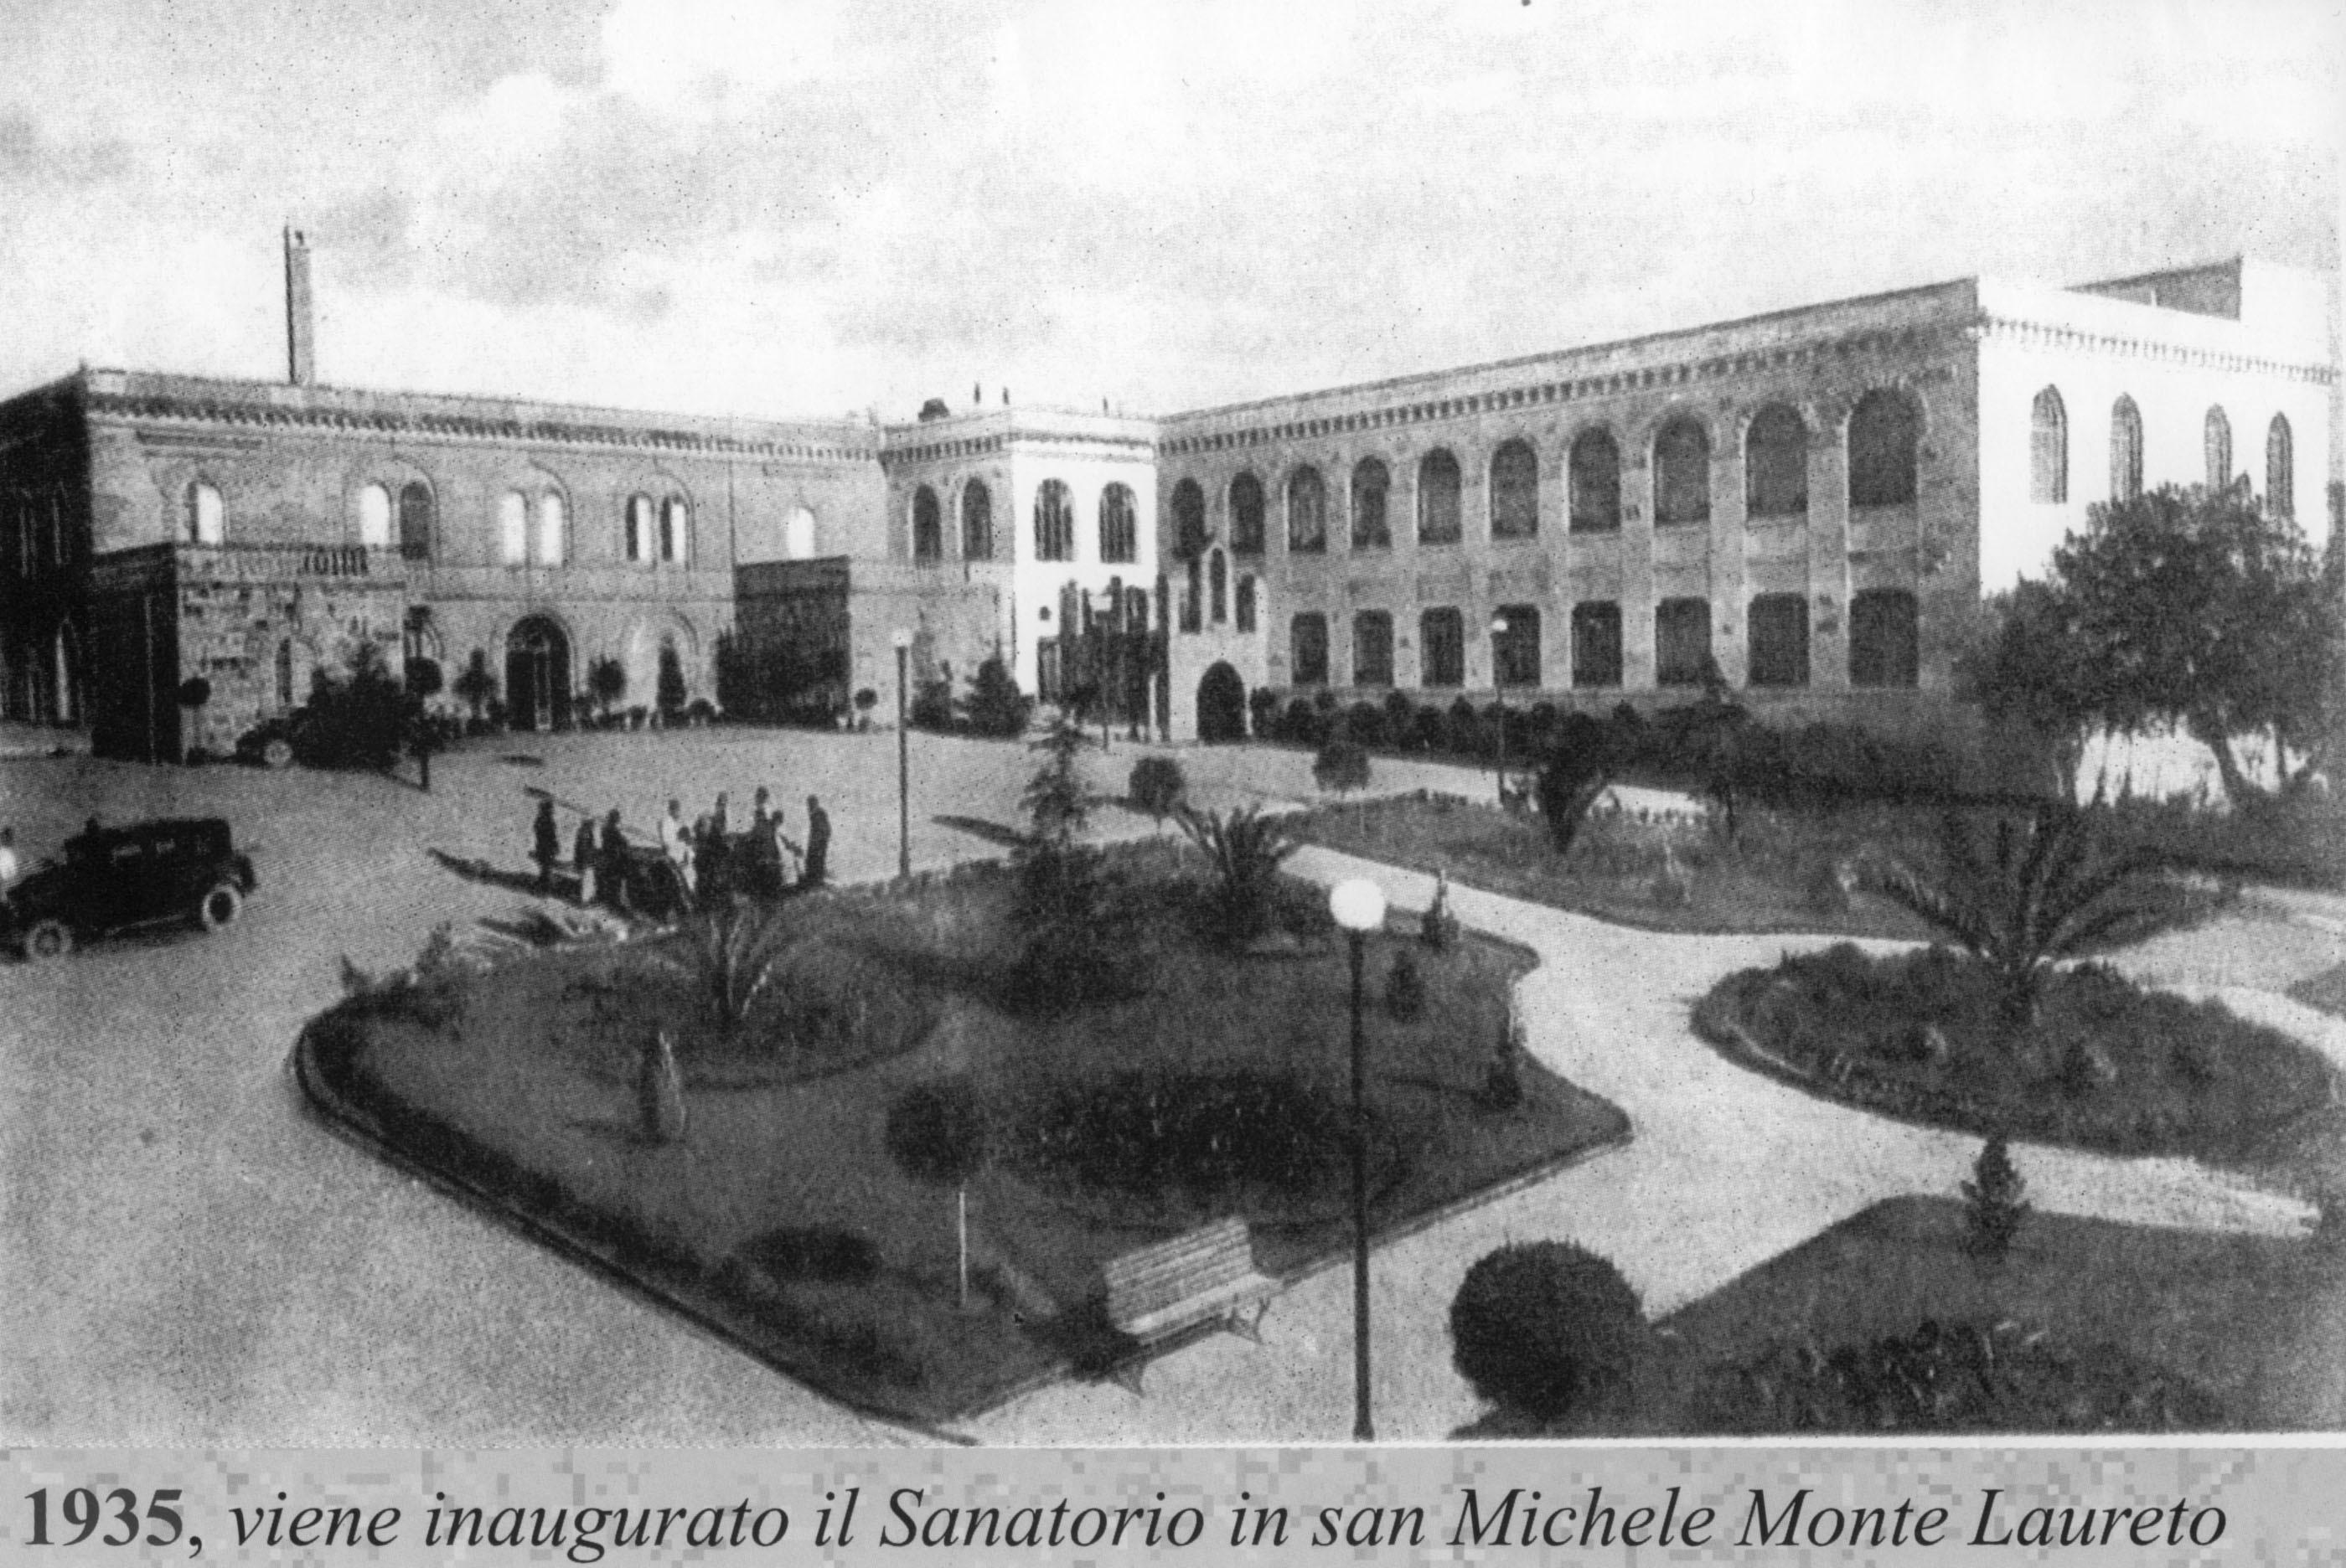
pixel 1441 648
pixel 1245 605
pixel 1596 482
pixel 374 518
pixel 1597 644
pixel 1308 649
pixel 2280 468
pixel 1055 522
pixel 513 528
pixel 1307 512
pixel 416 520
pixel 553 529
pixel 1246 515
pixel 675 530
pixel 2126 450
pixel 928 526
pixel 1516 646
pixel 1437 498
pixel 1884 438
pixel 798 536
pixel 1775 464
pixel 1371 485
pixel 2217 438
pixel 1372 644
pixel 1218 586
pixel 207 521
pixel 2048 449
pixel 1779 624
pixel 976 521
pixel 1120 532
pixel 639 528
pixel 1681 473
pixel 1883 648
pixel 1515 490
pixel 1681 642
pixel 1189 520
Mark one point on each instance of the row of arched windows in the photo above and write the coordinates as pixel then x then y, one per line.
pixel 1208 596
pixel 1118 519
pixel 1884 449
pixel 33 531
pixel 1884 644
pixel 2048 452
pixel 531 529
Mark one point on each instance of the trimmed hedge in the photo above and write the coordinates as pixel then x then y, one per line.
pixel 1545 1328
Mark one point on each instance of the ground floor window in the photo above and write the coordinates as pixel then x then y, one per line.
pixel 1516 646
pixel 1246 603
pixel 1308 649
pixel 1780 640
pixel 1441 643
pixel 1372 648
pixel 1597 644
pixel 1682 641
pixel 1884 644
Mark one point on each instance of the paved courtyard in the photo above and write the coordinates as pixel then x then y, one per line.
pixel 189 1256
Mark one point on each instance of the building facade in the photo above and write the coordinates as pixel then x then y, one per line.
pixel 1807 505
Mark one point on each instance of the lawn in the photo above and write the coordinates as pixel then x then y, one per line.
pixel 2252 1321
pixel 1785 871
pixel 779 1218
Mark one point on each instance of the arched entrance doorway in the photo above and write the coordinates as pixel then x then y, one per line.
pixel 537 676
pixel 1222 705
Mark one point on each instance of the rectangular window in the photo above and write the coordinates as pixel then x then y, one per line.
pixel 1246 605
pixel 1372 648
pixel 1682 641
pixel 1442 648
pixel 1516 646
pixel 1883 642
pixel 1597 644
pixel 1780 640
pixel 1308 651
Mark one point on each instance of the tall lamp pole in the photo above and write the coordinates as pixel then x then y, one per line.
pixel 903 641
pixel 1499 693
pixel 1359 906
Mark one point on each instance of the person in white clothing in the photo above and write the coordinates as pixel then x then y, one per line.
pixel 8 867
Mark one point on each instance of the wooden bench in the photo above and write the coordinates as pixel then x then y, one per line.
pixel 1202 1277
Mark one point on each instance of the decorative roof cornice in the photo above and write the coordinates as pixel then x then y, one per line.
pixel 1903 340
pixel 457 427
pixel 998 442
pixel 2046 334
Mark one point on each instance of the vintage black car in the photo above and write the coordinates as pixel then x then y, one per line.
pixel 112 879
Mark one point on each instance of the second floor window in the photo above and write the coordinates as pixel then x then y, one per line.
pixel 206 520
pixel 1119 528
pixel 1055 522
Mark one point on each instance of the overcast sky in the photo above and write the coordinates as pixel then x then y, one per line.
pixel 805 206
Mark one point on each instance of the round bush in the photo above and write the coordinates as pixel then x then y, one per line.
pixel 1545 1327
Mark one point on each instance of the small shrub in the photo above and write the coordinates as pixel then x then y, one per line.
pixel 1364 724
pixel 1439 929
pixel 1993 1208
pixel 1342 768
pixel 1404 989
pixel 1157 787
pixel 1303 724
pixel 933 706
pixel 1433 730
pixel 1464 729
pixel 1545 1327
pixel 1401 716
pixel 1502 1083
pixel 1245 849
pixel 994 706
pixel 1262 713
pixel 729 955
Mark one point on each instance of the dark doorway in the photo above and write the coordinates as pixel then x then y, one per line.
pixel 537 676
pixel 1221 706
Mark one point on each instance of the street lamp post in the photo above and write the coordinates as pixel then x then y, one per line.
pixel 903 641
pixel 1499 694
pixel 1359 906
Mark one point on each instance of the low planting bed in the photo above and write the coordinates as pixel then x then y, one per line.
pixel 759 1193
pixel 2106 1064
pixel 1785 870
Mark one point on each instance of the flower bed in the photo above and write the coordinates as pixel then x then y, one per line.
pixel 2106 1064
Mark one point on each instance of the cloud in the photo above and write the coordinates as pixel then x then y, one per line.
pixel 31 156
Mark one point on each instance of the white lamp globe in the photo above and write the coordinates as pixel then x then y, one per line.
pixel 1358 904
pixel 900 639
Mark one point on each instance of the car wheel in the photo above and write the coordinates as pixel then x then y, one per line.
pixel 221 907
pixel 277 753
pixel 48 939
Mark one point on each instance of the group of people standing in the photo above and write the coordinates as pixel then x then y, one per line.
pixel 704 859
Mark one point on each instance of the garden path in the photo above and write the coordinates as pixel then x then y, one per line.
pixel 1727 1170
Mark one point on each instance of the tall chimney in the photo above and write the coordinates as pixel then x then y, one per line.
pixel 300 331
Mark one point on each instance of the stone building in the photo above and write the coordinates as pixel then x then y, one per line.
pixel 1810 502
pixel 1807 505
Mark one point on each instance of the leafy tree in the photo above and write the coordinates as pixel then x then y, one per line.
pixel 1578 772
pixel 1545 1327
pixel 2030 664
pixel 1075 924
pixel 994 706
pixel 937 1135
pixel 1157 787
pixel 606 679
pixel 670 693
pixel 476 686
pixel 1342 768
pixel 2033 894
pixel 356 719
pixel 2203 610
pixel 933 705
